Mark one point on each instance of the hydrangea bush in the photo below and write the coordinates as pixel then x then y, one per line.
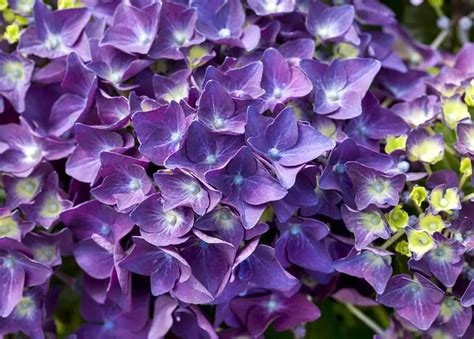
pixel 225 168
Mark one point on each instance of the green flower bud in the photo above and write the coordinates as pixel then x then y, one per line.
pixel 465 167
pixel 397 218
pixel 419 242
pixel 454 111
pixel 394 143
pixel 431 223
pixel 418 194
pixel 402 248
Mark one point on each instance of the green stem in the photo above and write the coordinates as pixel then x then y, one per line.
pixel 468 197
pixel 394 238
pixel 365 319
pixel 449 149
pixel 440 38
pixel 463 181
pixel 427 168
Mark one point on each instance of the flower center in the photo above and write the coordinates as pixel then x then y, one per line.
pixel 211 159
pixel 134 184
pixel 274 154
pixel 31 153
pixel 439 252
pixel 238 180
pixel 443 202
pixel 375 219
pixel 25 307
pixel 332 96
pixel 175 136
pixel 104 230
pixel 277 93
pixel 218 123
pixel 295 229
pixel 180 38
pixel 171 218
pixel 272 305
pixel 8 262
pixel 224 32
pixel 53 42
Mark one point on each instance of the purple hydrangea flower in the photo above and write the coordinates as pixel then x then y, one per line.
pixel 367 225
pixel 373 265
pixel 282 81
pixel 288 144
pixel 340 86
pixel 300 243
pixel 56 33
pixel 17 270
pixel 329 23
pixel 133 29
pixel 246 185
pixel 159 226
pixel 15 76
pixel 176 30
pixel 160 132
pixel 179 188
pixel 416 300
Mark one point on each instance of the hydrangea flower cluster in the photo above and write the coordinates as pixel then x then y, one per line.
pixel 211 168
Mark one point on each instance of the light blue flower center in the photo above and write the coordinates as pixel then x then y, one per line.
pixel 218 122
pixel 238 180
pixel 109 325
pixel 439 252
pixel 8 262
pixel 332 96
pixel 274 154
pixel 104 230
pixel 53 42
pixel 193 188
pixel 211 159
pixel 414 288
pixel 375 219
pixel 295 229
pixel 403 166
pixel 272 305
pixel 378 187
pixel 180 38
pixel 277 93
pixel 204 245
pixel 171 218
pixel 134 184
pixel 339 168
pixel 175 136
pixel 224 32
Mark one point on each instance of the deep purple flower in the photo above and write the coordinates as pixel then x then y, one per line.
pixel 159 226
pixel 241 82
pixel 84 162
pixel 94 218
pixel 56 33
pixel 164 266
pixel 374 124
pixel 453 319
pixel 179 188
pixel 204 150
pixel 27 315
pixel 416 300
pixel 17 270
pixel 24 190
pixel 125 182
pixel 335 175
pixel 160 131
pixel 256 313
pixel 246 185
pixel 445 260
pixel 15 76
pixel 182 320
pixel 288 144
pixel 329 23
pixel 114 66
pixel 373 265
pixel 367 225
pixel 340 86
pixel 374 187
pixel 176 30
pixel 47 248
pixel 282 81
pixel 217 111
pixel 21 149
pixel 300 243
pixel 133 29
pixel 80 85
pixel 108 320
pixel 223 224
pixel 222 23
